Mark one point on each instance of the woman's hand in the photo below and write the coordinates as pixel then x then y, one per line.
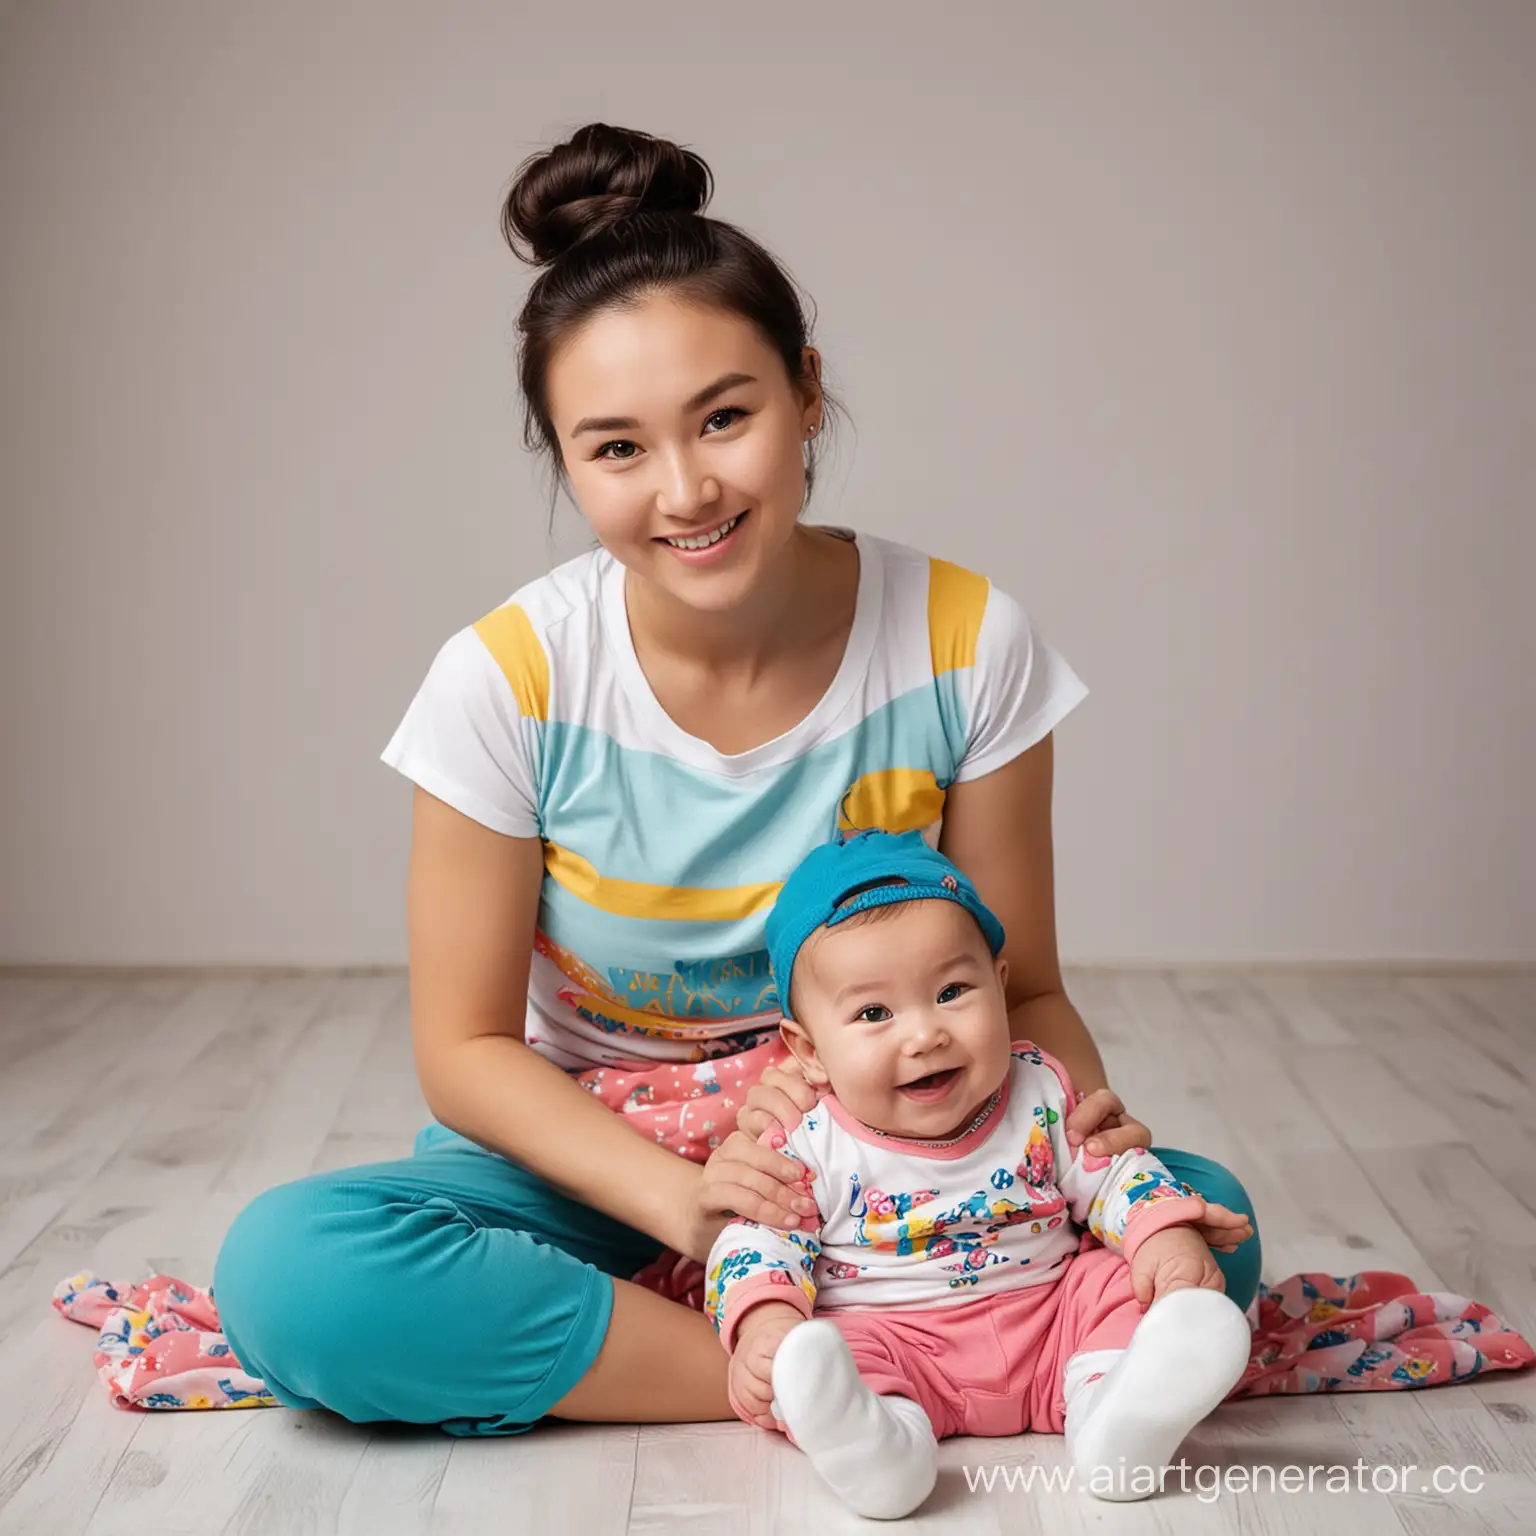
pixel 1101 1118
pixel 745 1178
pixel 1222 1229
pixel 780 1097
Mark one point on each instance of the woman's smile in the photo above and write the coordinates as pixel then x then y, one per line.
pixel 708 546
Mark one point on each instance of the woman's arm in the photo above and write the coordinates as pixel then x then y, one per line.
pixel 998 830
pixel 472 902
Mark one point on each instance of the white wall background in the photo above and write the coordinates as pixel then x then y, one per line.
pixel 1207 330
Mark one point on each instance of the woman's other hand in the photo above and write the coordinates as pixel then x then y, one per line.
pixel 745 1178
pixel 1222 1229
pixel 779 1098
pixel 1101 1124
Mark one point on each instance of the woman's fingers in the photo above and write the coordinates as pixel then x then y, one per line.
pixel 781 1094
pixel 736 1177
pixel 1226 1242
pixel 790 1079
pixel 1100 1105
pixel 1221 1216
pixel 753 1205
pixel 740 1149
pixel 777 1105
pixel 805 1094
pixel 789 1089
pixel 1223 1229
pixel 734 1200
pixel 770 1201
pixel 1111 1143
pixel 753 1122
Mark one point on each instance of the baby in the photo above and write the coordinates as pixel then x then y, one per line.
pixel 973 1274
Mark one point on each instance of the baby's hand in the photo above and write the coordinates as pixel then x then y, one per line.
pixel 758 1338
pixel 1171 1260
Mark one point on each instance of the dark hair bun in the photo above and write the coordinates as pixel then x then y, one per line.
pixel 598 177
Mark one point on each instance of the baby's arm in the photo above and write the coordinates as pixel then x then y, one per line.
pixel 750 1263
pixel 1122 1200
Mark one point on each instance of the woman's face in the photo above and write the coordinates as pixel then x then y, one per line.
pixel 658 449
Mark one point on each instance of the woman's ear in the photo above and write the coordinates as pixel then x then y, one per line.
pixel 1002 973
pixel 803 1049
pixel 810 362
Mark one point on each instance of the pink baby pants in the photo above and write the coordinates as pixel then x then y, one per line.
pixel 994 1366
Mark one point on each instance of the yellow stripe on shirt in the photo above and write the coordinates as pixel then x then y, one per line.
pixel 634 898
pixel 892 799
pixel 508 635
pixel 957 599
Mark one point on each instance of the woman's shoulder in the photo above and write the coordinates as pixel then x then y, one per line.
pixel 523 636
pixel 501 665
pixel 554 597
pixel 953 603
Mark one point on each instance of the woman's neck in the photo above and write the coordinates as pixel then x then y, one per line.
pixel 788 610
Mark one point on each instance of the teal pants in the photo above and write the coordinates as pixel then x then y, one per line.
pixel 456 1289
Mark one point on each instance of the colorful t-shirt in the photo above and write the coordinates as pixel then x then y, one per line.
pixel 662 856
pixel 906 1224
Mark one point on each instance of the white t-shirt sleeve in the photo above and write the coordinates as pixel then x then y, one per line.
pixel 464 740
pixel 1021 688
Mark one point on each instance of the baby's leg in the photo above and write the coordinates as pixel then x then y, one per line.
pixel 1129 1410
pixel 878 1451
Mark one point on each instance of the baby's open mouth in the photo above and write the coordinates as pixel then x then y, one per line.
pixel 931 1086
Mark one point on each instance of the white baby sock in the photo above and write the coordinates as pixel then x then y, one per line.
pixel 1187 1353
pixel 878 1453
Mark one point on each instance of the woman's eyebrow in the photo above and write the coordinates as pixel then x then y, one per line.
pixel 704 396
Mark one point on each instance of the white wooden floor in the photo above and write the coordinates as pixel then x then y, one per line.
pixel 1379 1121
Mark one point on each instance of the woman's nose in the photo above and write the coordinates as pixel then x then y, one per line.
pixel 685 490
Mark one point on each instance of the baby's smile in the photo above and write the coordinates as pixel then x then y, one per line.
pixel 933 1087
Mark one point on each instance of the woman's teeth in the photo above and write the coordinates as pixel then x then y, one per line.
pixel 705 540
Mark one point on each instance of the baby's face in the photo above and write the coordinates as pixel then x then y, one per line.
pixel 904 1017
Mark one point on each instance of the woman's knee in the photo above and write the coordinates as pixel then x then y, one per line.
pixel 381 1301
pixel 312 1280
pixel 1217 1183
pixel 276 1269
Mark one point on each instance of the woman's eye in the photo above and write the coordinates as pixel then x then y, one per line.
pixel 876 1013
pixel 732 411
pixel 952 991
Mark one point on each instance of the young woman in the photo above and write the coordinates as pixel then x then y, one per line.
pixel 615 771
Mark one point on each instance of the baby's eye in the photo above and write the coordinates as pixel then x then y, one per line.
pixel 876 1013
pixel 952 991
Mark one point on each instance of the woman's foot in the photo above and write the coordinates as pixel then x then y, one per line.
pixel 878 1453
pixel 1123 1428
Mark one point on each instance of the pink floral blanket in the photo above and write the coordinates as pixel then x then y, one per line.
pixel 158 1344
